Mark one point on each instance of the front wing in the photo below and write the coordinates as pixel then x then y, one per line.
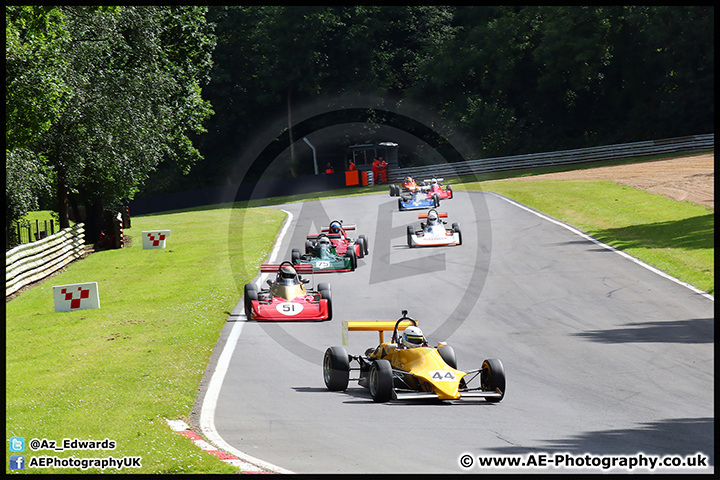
pixel 434 241
pixel 464 392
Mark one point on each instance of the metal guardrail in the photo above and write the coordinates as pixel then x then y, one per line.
pixel 565 157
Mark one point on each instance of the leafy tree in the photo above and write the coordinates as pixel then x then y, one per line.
pixel 135 77
pixel 35 95
pixel 270 60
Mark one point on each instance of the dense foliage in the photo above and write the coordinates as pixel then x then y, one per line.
pixel 98 98
pixel 124 84
pixel 509 80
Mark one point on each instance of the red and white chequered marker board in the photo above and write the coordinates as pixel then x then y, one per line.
pixel 154 238
pixel 78 296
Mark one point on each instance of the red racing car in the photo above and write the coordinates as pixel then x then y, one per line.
pixel 337 233
pixel 286 298
pixel 434 186
pixel 408 185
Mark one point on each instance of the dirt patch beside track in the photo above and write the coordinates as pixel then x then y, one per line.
pixel 687 179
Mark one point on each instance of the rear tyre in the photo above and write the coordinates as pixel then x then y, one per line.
pixel 365 243
pixel 336 369
pixel 492 378
pixel 381 381
pixel 436 200
pixel 361 248
pixel 250 295
pixel 449 191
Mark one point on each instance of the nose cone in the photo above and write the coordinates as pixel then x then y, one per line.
pixel 446 383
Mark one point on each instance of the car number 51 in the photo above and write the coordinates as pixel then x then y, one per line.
pixel 289 308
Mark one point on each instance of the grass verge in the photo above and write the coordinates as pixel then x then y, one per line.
pixel 117 372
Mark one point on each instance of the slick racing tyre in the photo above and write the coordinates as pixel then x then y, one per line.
pixel 456 229
pixel 325 293
pixel 410 233
pixel 250 295
pixel 448 355
pixel 361 248
pixel 336 369
pixel 381 381
pixel 492 378
pixel 353 258
pixel 365 243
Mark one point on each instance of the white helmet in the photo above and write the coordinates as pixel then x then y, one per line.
pixel 413 337
pixel 433 218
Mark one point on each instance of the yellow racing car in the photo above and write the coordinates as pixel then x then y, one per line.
pixel 408 368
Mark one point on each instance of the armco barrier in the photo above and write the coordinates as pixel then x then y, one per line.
pixel 691 143
pixel 34 261
pixel 324 182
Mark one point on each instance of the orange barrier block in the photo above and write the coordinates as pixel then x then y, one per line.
pixel 352 178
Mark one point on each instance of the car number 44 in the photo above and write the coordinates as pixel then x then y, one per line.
pixel 442 376
pixel 289 308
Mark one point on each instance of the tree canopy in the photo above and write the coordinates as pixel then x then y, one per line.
pixel 104 103
pixel 128 83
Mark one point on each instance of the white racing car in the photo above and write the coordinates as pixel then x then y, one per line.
pixel 433 233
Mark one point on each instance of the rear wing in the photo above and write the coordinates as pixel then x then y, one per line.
pixel 344 227
pixel 425 215
pixel 438 180
pixel 372 326
pixel 329 235
pixel 299 268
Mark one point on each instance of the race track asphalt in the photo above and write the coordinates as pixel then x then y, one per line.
pixel 602 356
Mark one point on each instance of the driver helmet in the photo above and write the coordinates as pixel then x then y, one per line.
pixel 287 273
pixel 408 179
pixel 413 337
pixel 324 243
pixel 434 181
pixel 432 218
pixel 335 227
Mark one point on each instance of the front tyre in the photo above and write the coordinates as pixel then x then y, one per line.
pixel 326 294
pixel 456 229
pixel 381 381
pixel 492 378
pixel 448 355
pixel 336 369
pixel 353 258
pixel 251 294
pixel 410 233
